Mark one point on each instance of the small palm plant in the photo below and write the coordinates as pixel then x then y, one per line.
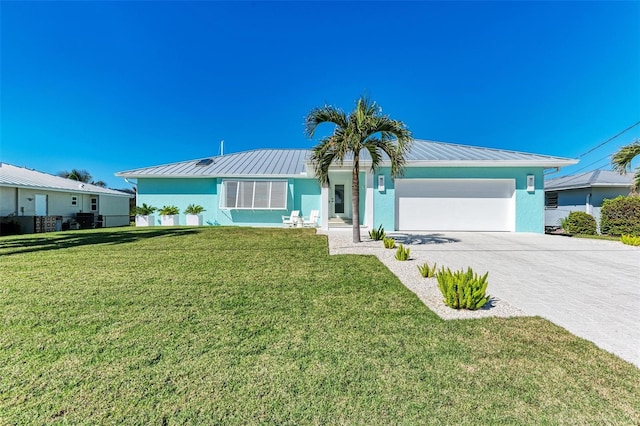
pixel 144 210
pixel 169 211
pixel 194 209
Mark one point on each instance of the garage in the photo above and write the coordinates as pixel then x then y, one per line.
pixel 455 204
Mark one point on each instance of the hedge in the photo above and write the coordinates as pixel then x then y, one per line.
pixel 581 223
pixel 620 216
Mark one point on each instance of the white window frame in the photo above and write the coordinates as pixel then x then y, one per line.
pixel 239 192
pixel 74 200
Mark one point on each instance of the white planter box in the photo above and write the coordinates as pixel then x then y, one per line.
pixel 170 220
pixel 194 219
pixel 145 220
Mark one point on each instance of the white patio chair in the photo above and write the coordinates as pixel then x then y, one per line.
pixel 292 220
pixel 313 219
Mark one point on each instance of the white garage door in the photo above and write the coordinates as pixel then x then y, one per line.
pixel 455 204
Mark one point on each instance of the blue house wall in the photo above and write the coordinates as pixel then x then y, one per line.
pixel 303 195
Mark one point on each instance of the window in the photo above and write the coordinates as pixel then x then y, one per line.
pixel 94 204
pixel 551 200
pixel 74 200
pixel 254 195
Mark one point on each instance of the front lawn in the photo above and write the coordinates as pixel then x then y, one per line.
pixel 246 326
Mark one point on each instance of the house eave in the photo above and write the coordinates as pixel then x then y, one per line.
pixel 66 190
pixel 587 186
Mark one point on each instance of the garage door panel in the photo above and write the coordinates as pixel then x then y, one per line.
pixel 455 205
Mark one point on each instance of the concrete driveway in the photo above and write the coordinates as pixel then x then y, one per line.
pixel 589 287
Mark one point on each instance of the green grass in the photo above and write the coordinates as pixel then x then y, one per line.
pixel 247 326
pixel 597 237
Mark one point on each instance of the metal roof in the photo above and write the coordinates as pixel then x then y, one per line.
pixel 291 162
pixel 255 163
pixel 432 153
pixel 21 177
pixel 597 178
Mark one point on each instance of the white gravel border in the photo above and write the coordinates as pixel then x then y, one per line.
pixel 340 242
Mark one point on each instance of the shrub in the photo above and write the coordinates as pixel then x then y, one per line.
pixel 378 234
pixel 564 224
pixel 581 223
pixel 194 209
pixel 402 253
pixel 463 290
pixel 620 216
pixel 426 271
pixel 169 210
pixel 630 240
pixel 145 210
pixel 389 243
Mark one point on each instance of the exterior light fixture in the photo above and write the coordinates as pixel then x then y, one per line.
pixel 531 183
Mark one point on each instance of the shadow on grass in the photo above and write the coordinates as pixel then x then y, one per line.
pixel 67 239
pixel 408 239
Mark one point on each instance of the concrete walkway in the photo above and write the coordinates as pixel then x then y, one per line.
pixel 589 287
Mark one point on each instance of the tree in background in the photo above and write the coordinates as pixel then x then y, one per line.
pixel 365 128
pixel 81 176
pixel 622 159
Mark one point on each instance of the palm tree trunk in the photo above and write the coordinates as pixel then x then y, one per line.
pixel 355 198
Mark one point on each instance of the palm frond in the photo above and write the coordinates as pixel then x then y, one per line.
pixel 621 160
pixel 322 156
pixel 324 114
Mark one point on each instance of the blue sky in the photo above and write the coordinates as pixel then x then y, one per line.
pixel 111 86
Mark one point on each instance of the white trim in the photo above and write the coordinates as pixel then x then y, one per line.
pixel 324 207
pixel 368 199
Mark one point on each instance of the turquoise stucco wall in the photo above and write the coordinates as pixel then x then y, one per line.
pixel 306 196
pixel 303 195
pixel 180 192
pixel 529 205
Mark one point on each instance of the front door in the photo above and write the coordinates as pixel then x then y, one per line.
pixel 340 199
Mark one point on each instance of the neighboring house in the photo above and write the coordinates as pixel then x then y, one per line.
pixel 445 187
pixel 43 202
pixel 583 192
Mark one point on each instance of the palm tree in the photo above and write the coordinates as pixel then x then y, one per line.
pixel 81 176
pixel 622 159
pixel 365 128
